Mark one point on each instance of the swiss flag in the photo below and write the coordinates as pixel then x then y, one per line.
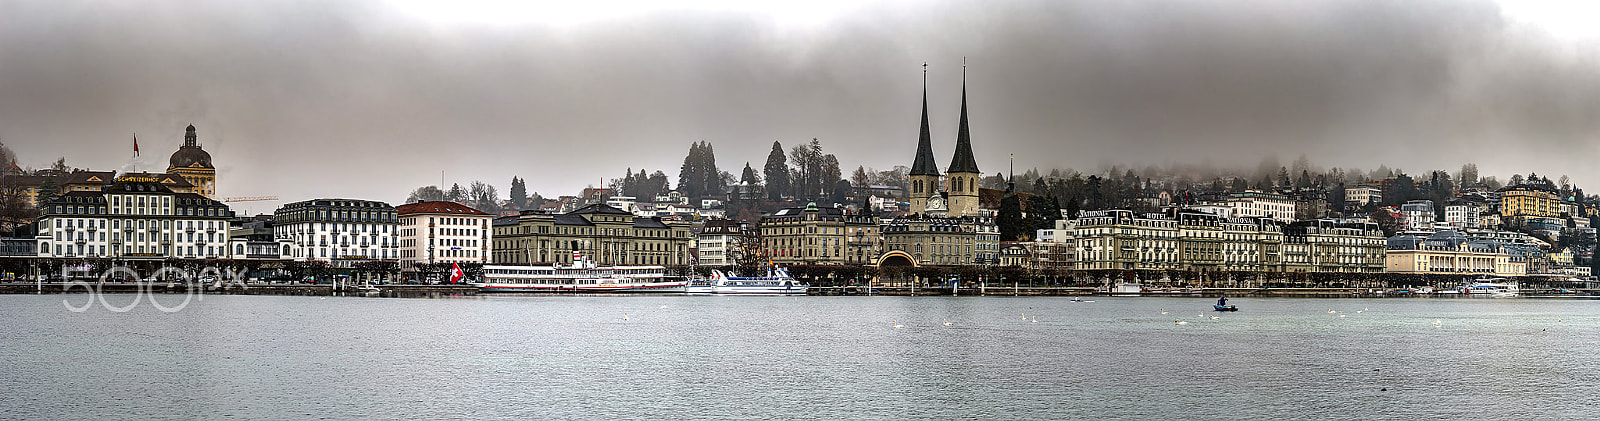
pixel 455 273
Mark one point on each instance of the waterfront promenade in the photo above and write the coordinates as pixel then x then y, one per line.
pixel 394 290
pixel 436 291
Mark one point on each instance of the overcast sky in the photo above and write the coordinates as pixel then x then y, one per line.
pixel 369 99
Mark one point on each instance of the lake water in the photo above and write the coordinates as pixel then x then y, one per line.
pixel 630 357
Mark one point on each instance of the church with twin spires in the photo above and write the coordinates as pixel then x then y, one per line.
pixel 957 194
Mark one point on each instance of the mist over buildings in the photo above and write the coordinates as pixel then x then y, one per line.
pixel 365 99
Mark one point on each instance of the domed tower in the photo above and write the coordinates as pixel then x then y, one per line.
pixel 924 170
pixel 194 164
pixel 963 170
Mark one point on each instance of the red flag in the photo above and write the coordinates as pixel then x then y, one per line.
pixel 455 273
pixel 135 144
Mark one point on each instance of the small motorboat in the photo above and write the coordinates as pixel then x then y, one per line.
pixel 1228 308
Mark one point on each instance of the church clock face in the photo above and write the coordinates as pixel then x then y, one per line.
pixel 935 203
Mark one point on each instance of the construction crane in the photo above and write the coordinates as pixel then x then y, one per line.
pixel 248 198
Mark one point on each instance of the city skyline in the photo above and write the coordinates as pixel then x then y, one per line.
pixel 388 95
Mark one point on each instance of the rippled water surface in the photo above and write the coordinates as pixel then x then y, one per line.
pixel 628 357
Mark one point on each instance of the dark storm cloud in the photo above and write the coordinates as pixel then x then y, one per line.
pixel 357 99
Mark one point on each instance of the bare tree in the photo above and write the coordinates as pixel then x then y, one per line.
pixel 482 196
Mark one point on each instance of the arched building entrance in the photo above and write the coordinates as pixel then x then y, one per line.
pixel 896 258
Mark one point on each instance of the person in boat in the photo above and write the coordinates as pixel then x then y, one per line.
pixel 1222 302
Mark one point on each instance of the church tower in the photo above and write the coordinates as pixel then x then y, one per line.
pixel 963 170
pixel 924 170
pixel 194 164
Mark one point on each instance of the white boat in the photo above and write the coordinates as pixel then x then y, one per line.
pixel 701 286
pixel 1489 288
pixel 581 276
pixel 1127 288
pixel 777 282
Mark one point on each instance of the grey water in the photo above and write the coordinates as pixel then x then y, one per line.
pixel 677 357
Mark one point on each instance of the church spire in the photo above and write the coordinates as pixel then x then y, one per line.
pixel 925 163
pixel 189 138
pixel 963 160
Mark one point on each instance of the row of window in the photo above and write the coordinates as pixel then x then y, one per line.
pixel 204 237
pixel 117 224
pixel 92 250
pixel 342 252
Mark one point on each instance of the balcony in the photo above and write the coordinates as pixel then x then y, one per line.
pixel 189 229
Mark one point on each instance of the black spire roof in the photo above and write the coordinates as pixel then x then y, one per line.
pixel 924 164
pixel 963 160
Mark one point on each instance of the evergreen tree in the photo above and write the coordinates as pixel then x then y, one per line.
pixel 829 176
pixel 1010 218
pixel 715 181
pixel 456 194
pixel 1336 198
pixel 1072 206
pixel 48 190
pixel 841 191
pixel 691 178
pixel 1043 211
pixel 859 178
pixel 777 172
pixel 519 193
pixel 749 176
pixel 657 185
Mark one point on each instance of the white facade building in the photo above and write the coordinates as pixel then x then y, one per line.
pixel 1419 216
pixel 133 218
pixel 339 229
pixel 1261 205
pixel 719 242
pixel 443 232
pixel 1362 195
pixel 1062 233
pixel 1461 216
